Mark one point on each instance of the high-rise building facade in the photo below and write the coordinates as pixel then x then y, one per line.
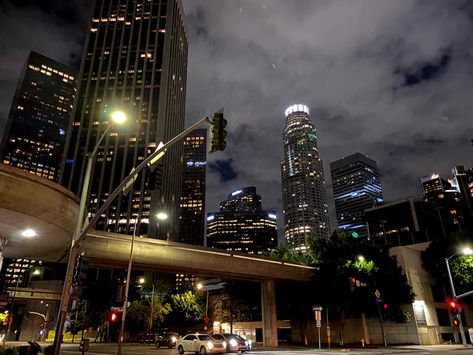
pixel 356 187
pixel 242 225
pixel 192 216
pixel 303 183
pixel 35 132
pixel 135 60
pixel 452 198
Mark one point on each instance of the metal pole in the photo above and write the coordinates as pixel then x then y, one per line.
pixel 460 322
pixel 328 328
pixel 73 252
pixel 10 315
pixel 382 325
pixel 127 286
pixel 81 231
pixel 152 310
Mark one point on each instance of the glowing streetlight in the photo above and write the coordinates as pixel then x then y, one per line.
pixel 118 117
pixel 361 258
pixel 162 216
pixel 29 233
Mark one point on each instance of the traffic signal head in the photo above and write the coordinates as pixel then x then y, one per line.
pixel 452 304
pixel 113 317
pixel 217 132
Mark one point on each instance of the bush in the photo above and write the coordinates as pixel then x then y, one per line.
pixel 8 350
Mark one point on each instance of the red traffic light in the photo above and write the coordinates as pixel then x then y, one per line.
pixel 452 304
pixel 385 306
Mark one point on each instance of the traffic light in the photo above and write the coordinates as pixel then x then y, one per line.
pixel 453 309
pixel 217 132
pixel 113 317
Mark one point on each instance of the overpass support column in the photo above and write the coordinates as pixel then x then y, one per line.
pixel 268 307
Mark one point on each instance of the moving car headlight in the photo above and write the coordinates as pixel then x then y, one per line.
pixel 210 345
pixel 173 339
pixel 225 344
pixel 233 342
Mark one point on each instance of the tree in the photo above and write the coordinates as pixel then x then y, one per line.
pixel 285 251
pixel 351 270
pixel 235 303
pixel 187 308
pixel 348 271
pixel 433 259
pixel 140 312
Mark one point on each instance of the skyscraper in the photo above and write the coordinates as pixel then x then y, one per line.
pixel 242 225
pixel 356 187
pixel 192 216
pixel 135 59
pixel 303 184
pixel 39 116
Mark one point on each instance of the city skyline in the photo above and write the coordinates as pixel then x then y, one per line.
pixel 389 79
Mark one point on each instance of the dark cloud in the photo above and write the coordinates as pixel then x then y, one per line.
pixel 224 169
pixel 390 79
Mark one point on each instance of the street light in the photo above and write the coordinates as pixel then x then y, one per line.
pixel 465 251
pixel 117 117
pixel 161 216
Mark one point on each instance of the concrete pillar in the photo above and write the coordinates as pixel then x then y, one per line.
pixel 3 243
pixel 268 307
pixel 366 332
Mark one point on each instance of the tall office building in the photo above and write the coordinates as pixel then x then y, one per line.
pixel 356 187
pixel 242 225
pixel 303 184
pixel 452 198
pixel 35 133
pixel 192 216
pixel 135 59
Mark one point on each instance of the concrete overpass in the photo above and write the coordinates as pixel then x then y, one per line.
pixel 28 201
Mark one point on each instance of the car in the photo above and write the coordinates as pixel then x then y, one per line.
pixel 235 343
pixel 168 339
pixel 200 344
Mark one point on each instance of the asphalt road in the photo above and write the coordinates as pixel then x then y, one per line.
pixel 145 349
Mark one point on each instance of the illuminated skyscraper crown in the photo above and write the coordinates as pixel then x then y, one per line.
pixel 296 108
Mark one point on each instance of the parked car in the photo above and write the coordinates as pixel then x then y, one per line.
pixel 200 344
pixel 235 343
pixel 168 339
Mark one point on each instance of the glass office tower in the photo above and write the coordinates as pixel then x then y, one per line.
pixel 356 187
pixel 135 60
pixel 303 183
pixel 35 133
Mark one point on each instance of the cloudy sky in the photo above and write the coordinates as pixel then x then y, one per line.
pixel 390 79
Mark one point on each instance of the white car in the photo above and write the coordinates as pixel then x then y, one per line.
pixel 200 344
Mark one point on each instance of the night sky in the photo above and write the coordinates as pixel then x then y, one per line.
pixel 390 79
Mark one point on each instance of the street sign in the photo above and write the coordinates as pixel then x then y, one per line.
pixel 377 293
pixel 318 315
pixel 319 323
pixel 116 309
pixel 213 286
pixel 206 319
pixel 316 308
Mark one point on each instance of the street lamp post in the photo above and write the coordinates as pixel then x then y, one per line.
pixel 200 286
pixel 81 231
pixel 466 251
pixel 118 117
pixel 160 216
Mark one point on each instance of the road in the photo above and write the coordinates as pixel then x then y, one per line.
pixel 144 349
